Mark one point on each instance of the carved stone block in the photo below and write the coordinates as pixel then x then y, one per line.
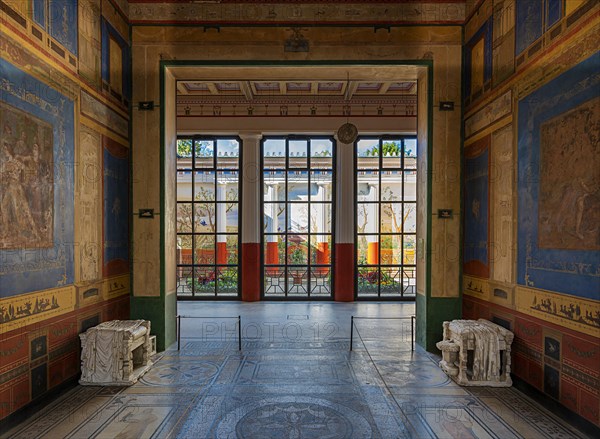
pixel 476 353
pixel 115 353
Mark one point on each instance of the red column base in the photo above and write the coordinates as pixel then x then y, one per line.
pixel 221 253
pixel 344 273
pixel 322 256
pixel 251 272
pixel 373 253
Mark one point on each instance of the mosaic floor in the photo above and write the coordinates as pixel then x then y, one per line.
pixel 294 378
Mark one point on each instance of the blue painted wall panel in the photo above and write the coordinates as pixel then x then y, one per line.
pixel 528 24
pixel 570 271
pixel 62 23
pixel 24 270
pixel 39 12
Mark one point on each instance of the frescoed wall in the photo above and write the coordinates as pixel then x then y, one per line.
pixel 54 124
pixel 477 207
pixel 37 182
pixel 543 119
pixel 116 208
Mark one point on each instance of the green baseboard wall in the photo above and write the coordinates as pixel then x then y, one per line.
pixel 161 312
pixel 431 314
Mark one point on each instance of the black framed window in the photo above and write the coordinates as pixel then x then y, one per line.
pixel 386 217
pixel 208 217
pixel 298 217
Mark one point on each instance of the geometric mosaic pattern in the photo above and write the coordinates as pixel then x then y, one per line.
pixel 297 380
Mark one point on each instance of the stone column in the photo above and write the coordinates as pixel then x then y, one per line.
pixel 221 224
pixel 251 211
pixel 344 224
pixel 321 222
pixel 373 225
pixel 272 251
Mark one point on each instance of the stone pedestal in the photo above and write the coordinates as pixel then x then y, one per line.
pixel 476 353
pixel 115 353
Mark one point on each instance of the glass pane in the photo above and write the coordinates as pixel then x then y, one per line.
pixel 232 213
pixel 298 281
pixel 368 280
pixel 222 250
pixel 297 186
pixel 321 148
pixel 367 218
pixel 184 153
pixel 184 249
pixel 367 152
pixel 226 191
pixel 410 153
pixel 274 217
pixel 391 186
pixel 409 281
pixel 297 250
pixel 231 180
pixel 320 249
pixel 298 150
pixel 274 153
pixel 391 249
pixel 204 186
pixel 184 185
pixel 297 217
pixel 184 281
pixel 227 281
pixel 410 186
pixel 321 153
pixel 274 186
pixel 184 217
pixel 410 249
pixel 205 249
pixel 391 280
pixel 320 218
pixel 391 151
pixel 228 153
pixel 275 250
pixel 368 186
pixel 274 281
pixel 410 217
pixel 204 151
pixel 184 148
pixel 205 217
pixel 232 249
pixel 320 283
pixel 321 188
pixel 391 217
pixel 361 249
pixel 204 281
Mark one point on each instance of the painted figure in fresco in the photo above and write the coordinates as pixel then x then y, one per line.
pixel 14 207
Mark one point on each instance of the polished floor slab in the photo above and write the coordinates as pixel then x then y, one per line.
pixel 295 377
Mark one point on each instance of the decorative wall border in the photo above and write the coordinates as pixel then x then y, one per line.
pixel 304 14
pixel 582 315
pixel 26 309
pixel 494 111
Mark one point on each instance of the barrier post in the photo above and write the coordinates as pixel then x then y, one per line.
pixel 239 333
pixel 412 333
pixel 178 332
pixel 351 330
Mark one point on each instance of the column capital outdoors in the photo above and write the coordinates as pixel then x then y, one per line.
pixel 250 135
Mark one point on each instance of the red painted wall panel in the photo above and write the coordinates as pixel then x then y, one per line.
pixel 578 364
pixel 582 352
pixel 14 351
pixel 62 344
